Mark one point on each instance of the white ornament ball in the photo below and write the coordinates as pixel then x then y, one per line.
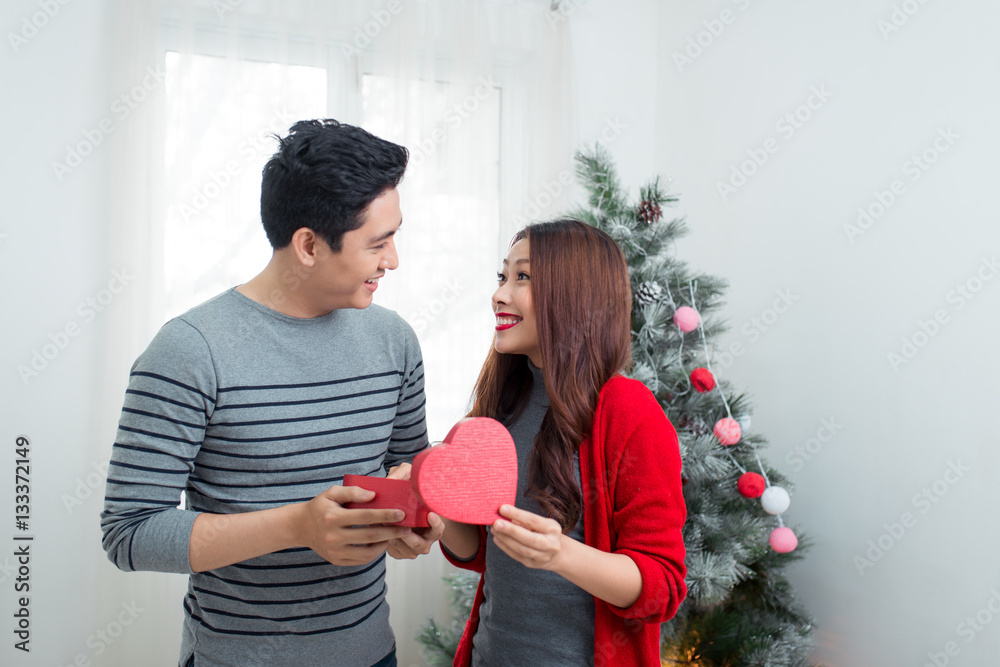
pixel 775 500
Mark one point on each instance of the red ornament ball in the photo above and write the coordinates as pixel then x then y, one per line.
pixel 703 380
pixel 783 540
pixel 751 485
pixel 727 430
pixel 686 318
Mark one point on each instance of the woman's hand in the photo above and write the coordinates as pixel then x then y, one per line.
pixel 538 542
pixel 532 540
pixel 402 471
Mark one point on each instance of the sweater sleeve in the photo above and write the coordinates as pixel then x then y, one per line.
pixel 169 400
pixel 409 429
pixel 649 512
pixel 477 563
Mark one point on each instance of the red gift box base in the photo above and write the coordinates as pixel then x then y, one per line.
pixel 391 494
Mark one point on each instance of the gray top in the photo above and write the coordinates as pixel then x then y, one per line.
pixel 528 616
pixel 243 408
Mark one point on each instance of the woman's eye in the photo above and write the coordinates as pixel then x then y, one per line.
pixel 523 276
pixel 501 278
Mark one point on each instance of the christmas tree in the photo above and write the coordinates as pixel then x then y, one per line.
pixel 740 609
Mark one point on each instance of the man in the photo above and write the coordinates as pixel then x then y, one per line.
pixel 256 403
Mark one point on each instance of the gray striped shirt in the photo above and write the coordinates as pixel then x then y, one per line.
pixel 243 408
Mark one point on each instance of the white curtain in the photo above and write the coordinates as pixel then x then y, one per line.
pixel 478 91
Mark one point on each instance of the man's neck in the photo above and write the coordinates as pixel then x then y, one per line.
pixel 282 286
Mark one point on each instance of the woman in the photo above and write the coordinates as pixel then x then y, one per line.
pixel 591 560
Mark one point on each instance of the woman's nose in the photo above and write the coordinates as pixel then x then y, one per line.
pixel 499 296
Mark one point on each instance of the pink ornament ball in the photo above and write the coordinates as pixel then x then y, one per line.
pixel 751 485
pixel 783 540
pixel 686 318
pixel 727 430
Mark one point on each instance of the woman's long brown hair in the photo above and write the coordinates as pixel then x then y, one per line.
pixel 583 306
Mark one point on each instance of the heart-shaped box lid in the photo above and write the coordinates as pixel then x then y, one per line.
pixel 470 474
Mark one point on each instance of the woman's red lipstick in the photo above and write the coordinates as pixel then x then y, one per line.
pixel 503 327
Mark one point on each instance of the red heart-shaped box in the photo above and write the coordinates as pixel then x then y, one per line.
pixel 471 474
pixel 391 494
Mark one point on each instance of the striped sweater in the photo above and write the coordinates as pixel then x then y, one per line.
pixel 242 408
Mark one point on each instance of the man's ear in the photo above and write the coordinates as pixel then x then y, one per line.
pixel 305 246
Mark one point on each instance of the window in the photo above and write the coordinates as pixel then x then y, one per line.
pixel 220 115
pixel 448 245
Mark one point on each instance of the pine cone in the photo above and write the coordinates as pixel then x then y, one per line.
pixel 693 425
pixel 648 292
pixel 649 211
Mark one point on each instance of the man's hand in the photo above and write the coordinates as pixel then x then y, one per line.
pixel 347 536
pixel 419 540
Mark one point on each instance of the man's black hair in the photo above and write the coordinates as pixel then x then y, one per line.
pixel 323 176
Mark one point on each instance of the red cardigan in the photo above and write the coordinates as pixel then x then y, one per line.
pixel 630 471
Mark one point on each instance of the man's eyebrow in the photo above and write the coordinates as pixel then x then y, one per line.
pixel 378 239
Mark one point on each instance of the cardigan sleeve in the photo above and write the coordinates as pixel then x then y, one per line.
pixel 648 510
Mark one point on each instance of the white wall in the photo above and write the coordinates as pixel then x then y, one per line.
pixel 614 63
pixel 54 257
pixel 826 358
